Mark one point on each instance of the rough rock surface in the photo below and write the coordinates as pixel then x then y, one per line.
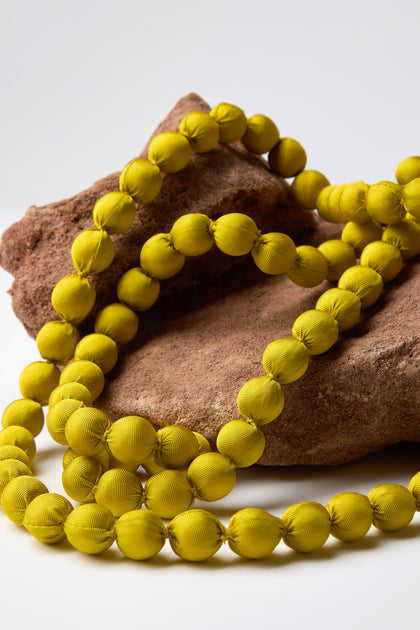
pixel 205 338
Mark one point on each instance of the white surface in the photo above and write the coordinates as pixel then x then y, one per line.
pixel 84 83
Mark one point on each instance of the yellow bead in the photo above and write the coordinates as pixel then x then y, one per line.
pixel 352 203
pixel 334 212
pixel 287 158
pixel 359 235
pixel 261 134
pixel 235 234
pixel 191 234
pixel 232 122
pixel 114 212
pixel 317 330
pixel 306 187
pixel 92 251
pixel 102 458
pixel 21 437
pixel 119 491
pixel 287 359
pixel 260 399
pixel 203 443
pixel 411 198
pixel 201 130
pixel 45 517
pixel 80 477
pixel 339 256
pixel 310 267
pixel 138 290
pixel 254 533
pixel 170 151
pixel 151 467
pixel 159 258
pixel 131 440
pixel 393 506
pixel 384 202
pixel 57 418
pixel 343 305
pixel 73 297
pixel 406 236
pixel 56 341
pixel 118 322
pixel 241 442
pixel 351 516
pixel 90 528
pixel 322 203
pixel 18 494
pixel 10 469
pixel 275 253
pixel 141 180
pixel 414 487
pixel 408 169
pixel 212 475
pixel 306 526
pixel 99 349
pixel 168 493
pixel 37 380
pixel 384 258
pixel 85 431
pixel 76 391
pixel 140 534
pixel 24 413
pixel 195 535
pixel 10 451
pixel 87 373
pixel 177 447
pixel 364 282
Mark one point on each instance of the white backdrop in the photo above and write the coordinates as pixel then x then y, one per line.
pixel 83 84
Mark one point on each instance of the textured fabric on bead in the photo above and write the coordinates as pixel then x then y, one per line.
pixel 159 258
pixel 141 180
pixel 140 534
pixel 384 202
pixel 384 258
pixel 306 187
pixel 203 443
pixel 321 203
pixel 408 169
pixel 274 253
pixel 73 297
pixel 351 516
pixel 90 528
pixel 21 437
pixel 80 477
pixel 261 134
pixel 85 431
pixel 195 535
pixel 411 197
pixel 261 399
pixel 358 235
pixel 414 487
pixel 406 236
pixel 393 506
pixel 332 202
pixel 310 267
pixel 306 526
pixel 56 341
pixel 11 468
pixel 99 349
pixel 168 493
pixel 102 457
pixel 10 451
pixel 87 373
pixel 343 305
pixel 119 490
pixel 75 391
pixel 57 417
pixel 118 322
pixel 232 122
pixel 170 151
pixel 137 289
pixel 37 380
pixel 287 359
pixel 365 282
pixel 191 234
pixel 92 251
pixel 18 494
pixel 131 440
pixel 212 475
pixel 254 533
pixel 241 442
pixel 176 448
pixel 114 212
pixel 201 130
pixel 45 516
pixel 339 256
pixel 352 203
pixel 25 413
pixel 318 330
pixel 235 234
pixel 287 158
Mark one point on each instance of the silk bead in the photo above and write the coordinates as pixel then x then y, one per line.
pixel 201 130
pixel 142 181
pixel 306 187
pixel 260 399
pixel 37 380
pixel 261 134
pixel 317 330
pixel 241 442
pixel 73 297
pixel 114 212
pixel 232 122
pixel 26 413
pixel 287 359
pixel 118 322
pixel 195 535
pixel 170 151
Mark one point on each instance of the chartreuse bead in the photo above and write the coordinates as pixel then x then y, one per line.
pixel 317 330
pixel 159 258
pixel 190 234
pixel 274 253
pixel 352 202
pixel 90 528
pixel 406 236
pixel 365 282
pixel 195 535
pixel 261 134
pixel 102 458
pixel 201 130
pixel 56 341
pixel 322 203
pixel 57 417
pixel 177 447
pixel 287 158
pixel 286 359
pixel 10 469
pixel 137 289
pixel 118 322
pixel 344 306
pixel 151 467
pixel 99 349
pixel 306 526
pixel 20 437
pixel 260 399
pixel 384 202
pixel 351 516
pixel 339 256
pixel 85 431
pixel 140 534
pixel 232 122
pixel 241 442
pixel 212 475
pixel 203 443
pixel 37 380
pixel 358 235
pixel 76 391
pixel 80 477
pixel 254 533
pixel 235 234
pixel 131 440
pixel 310 267
pixel 18 494
pixel 45 517
pixel 414 487
pixel 411 198
pixel 334 213
pixel 168 493
pixel 114 212
pixel 73 297
pixel 408 169
pixel 170 151
pixel 10 451
pixel 92 251
pixel 25 413
pixel 384 258
pixel 119 491
pixel 141 180
pixel 393 506
pixel 87 373
pixel 306 187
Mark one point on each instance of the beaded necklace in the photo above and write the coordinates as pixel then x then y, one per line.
pixel 101 462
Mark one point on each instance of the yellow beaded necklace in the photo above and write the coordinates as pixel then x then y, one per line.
pixel 102 459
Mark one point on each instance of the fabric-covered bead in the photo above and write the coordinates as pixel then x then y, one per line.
pixel 201 130
pixel 365 282
pixel 85 431
pixel 45 516
pixel 334 207
pixel 119 490
pixel 25 413
pixel 322 205
pixel 151 467
pixel 384 202
pixel 358 235
pixel 241 442
pixel 261 134
pixel 212 475
pixel 318 330
pixel 140 534
pixel 306 187
pixel 138 290
pixel 90 528
pixel 37 380
pixel 287 158
pixel 177 447
pixel 80 477
pixel 384 258
pixel 351 516
pixel 393 506
pixel 92 251
pixel 57 417
pixel 411 198
pixel 114 212
pixel 343 305
pixel 275 253
pixel 118 322
pixel 56 341
pixel 232 122
pixel 170 151
pixel 195 535
pixel 159 258
pixel 414 487
pixel 73 297
pixel 131 440
pixel 254 533
pixel 21 437
pixel 203 443
pixel 235 234
pixel 99 349
pixel 306 526
pixel 141 180
pixel 352 203
pixel 406 236
pixel 287 359
pixel 168 493
pixel 310 267
pixel 408 169
pixel 75 391
pixel 102 458
pixel 191 235
pixel 87 373
pixel 260 399
pixel 339 256
pixel 11 451
pixel 10 469
pixel 18 494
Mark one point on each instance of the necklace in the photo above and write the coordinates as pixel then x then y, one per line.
pixel 101 461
